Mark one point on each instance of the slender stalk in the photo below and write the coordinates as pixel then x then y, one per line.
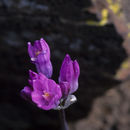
pixel 63 120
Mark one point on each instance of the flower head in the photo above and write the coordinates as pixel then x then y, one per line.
pixel 69 74
pixel 45 93
pixel 40 56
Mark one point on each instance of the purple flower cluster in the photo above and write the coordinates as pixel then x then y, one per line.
pixel 45 92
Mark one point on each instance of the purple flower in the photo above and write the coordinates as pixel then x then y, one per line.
pixel 69 74
pixel 40 56
pixel 44 92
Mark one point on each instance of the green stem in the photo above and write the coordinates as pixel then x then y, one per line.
pixel 63 120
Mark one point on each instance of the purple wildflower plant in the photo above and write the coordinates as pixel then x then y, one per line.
pixel 40 56
pixel 45 92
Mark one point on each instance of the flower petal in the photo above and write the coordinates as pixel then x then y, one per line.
pixel 31 50
pixel 44 65
pixel 76 69
pixel 26 93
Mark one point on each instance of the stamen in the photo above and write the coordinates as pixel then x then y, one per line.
pixel 37 53
pixel 46 95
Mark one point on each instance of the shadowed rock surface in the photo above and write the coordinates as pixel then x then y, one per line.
pixel 98 50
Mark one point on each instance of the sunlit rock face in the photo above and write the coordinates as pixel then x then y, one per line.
pixel 126 9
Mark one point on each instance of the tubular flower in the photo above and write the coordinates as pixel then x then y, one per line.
pixel 69 74
pixel 45 93
pixel 40 56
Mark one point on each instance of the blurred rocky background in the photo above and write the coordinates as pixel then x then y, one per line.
pixel 103 97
